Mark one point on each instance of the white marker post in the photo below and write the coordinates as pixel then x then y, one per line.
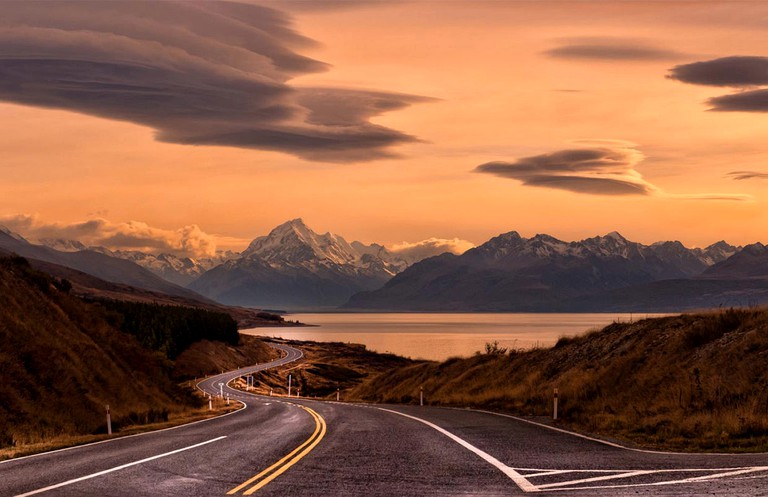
pixel 227 399
pixel 270 392
pixel 337 395
pixel 221 390
pixel 554 414
pixel 289 385
pixel 109 422
pixel 210 404
pixel 421 396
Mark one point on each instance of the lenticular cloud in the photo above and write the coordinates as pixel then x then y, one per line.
pixel 213 73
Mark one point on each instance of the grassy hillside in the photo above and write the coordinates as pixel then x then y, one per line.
pixel 695 381
pixel 63 359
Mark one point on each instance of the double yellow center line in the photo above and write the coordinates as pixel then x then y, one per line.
pixel 289 460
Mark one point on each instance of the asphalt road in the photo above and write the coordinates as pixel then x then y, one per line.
pixel 299 447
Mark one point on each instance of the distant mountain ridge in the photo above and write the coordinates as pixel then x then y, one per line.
pixel 293 267
pixel 539 274
pixel 100 265
pixel 179 270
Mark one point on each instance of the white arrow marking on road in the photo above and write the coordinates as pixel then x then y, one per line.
pixel 117 468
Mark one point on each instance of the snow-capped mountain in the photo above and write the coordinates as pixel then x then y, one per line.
pixel 179 270
pixel 294 267
pixel 513 273
pixel 294 244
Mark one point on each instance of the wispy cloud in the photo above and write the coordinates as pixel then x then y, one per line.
pixel 598 167
pixel 744 175
pixel 134 235
pixel 214 73
pixel 610 49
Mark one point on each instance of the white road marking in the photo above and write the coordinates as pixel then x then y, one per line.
pixel 516 477
pixel 578 484
pixel 522 479
pixel 117 468
pixel 628 474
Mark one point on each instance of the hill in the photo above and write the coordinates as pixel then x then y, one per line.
pixel 687 382
pixel 64 359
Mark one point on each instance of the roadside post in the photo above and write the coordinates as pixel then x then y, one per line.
pixel 421 396
pixel 289 385
pixel 210 403
pixel 221 390
pixel 554 414
pixel 270 392
pixel 109 422
pixel 227 399
pixel 337 395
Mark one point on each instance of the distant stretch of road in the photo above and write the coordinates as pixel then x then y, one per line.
pixel 300 447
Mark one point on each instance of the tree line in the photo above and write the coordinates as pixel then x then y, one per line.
pixel 170 329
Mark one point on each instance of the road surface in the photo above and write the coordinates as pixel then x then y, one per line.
pixel 299 447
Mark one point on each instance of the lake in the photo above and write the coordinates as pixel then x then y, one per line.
pixel 440 336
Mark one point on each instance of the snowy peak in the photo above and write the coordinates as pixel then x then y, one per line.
pixel 63 245
pixel 294 242
pixel 615 235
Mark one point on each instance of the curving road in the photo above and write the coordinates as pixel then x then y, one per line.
pixel 298 447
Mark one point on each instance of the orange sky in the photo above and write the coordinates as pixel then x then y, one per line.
pixel 499 96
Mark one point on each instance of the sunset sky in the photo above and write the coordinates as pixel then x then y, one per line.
pixel 196 126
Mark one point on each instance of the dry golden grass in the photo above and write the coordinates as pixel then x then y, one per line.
pixel 691 382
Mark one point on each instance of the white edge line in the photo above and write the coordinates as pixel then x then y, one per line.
pixel 117 468
pixel 516 477
pixel 119 438
pixel 606 442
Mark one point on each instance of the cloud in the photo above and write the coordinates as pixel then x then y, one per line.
pixel 736 71
pixel 747 101
pixel 188 241
pixel 600 167
pixel 416 251
pixel 599 170
pixel 209 73
pixel 610 49
pixel 742 175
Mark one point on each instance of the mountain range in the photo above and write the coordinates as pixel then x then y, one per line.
pixel 604 273
pixel 292 267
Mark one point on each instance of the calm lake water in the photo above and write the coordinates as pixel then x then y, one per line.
pixel 440 336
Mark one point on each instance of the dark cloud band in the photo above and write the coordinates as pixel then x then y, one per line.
pixel 605 168
pixel 213 73
pixel 737 71
pixel 611 51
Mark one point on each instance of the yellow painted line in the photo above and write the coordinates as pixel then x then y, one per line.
pixel 289 460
